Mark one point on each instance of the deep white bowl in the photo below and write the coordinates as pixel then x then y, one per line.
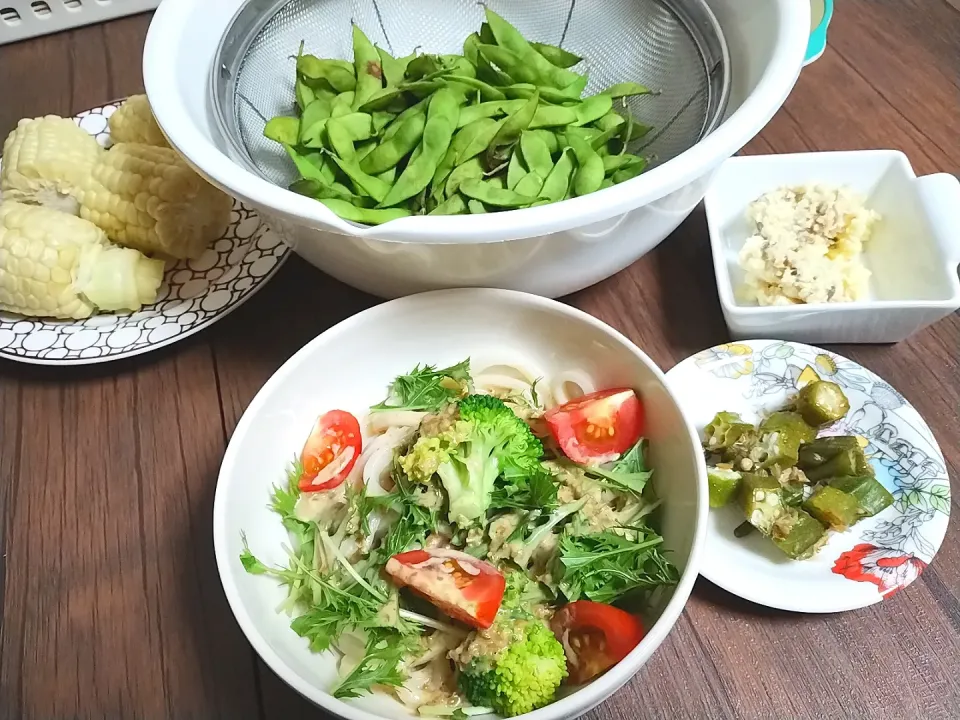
pixel 349 366
pixel 550 250
pixel 912 254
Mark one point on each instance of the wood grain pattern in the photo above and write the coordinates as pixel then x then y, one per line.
pixel 111 606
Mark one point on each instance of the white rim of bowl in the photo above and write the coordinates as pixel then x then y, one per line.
pixel 575 703
pixel 733 133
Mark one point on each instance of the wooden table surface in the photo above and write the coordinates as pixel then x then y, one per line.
pixel 111 604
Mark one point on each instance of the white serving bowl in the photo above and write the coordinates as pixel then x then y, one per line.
pixel 913 251
pixel 550 250
pixel 349 367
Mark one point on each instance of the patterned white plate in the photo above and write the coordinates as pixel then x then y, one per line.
pixel 193 296
pixel 878 555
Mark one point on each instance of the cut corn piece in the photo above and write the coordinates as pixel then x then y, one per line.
pixel 115 278
pixel 148 198
pixel 46 161
pixel 49 261
pixel 133 122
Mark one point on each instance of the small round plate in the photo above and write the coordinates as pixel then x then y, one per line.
pixel 878 555
pixel 193 296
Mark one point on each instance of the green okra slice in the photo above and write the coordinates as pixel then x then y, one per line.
pixel 798 535
pixel 871 496
pixel 761 498
pixel 833 507
pixel 723 484
pixel 821 403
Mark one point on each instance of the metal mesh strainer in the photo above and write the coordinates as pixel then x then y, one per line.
pixel 675 46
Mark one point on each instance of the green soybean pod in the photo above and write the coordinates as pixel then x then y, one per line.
pixel 364 216
pixel 316 111
pixel 486 34
pixel 312 188
pixel 626 89
pixel 310 166
pixel 367 184
pixel 453 205
pixel 629 172
pixel 553 116
pixel 490 194
pixel 342 104
pixel 338 75
pixel 611 120
pixel 392 68
pixel 556 55
pixel 590 173
pixel 303 93
pixel 515 170
pixel 437 135
pixel 536 154
pixel 390 152
pixel 612 163
pixel 556 183
pixel 509 37
pixel 285 130
pixel 487 91
pixel 607 183
pixel 475 138
pixel 509 132
pixel 476 207
pixel 510 63
pixel 549 139
pixel 489 109
pixel 530 185
pixel 470 170
pixel 366 61
pixel 467 143
pixel 394 127
pixel 593 108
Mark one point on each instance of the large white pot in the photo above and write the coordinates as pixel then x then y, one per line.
pixel 550 250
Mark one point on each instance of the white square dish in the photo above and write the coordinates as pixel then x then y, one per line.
pixel 912 254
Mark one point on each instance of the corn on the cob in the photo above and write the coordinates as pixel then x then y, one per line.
pixel 149 199
pixel 46 160
pixel 57 265
pixel 133 122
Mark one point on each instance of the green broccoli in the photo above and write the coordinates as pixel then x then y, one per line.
pixel 469 458
pixel 521 677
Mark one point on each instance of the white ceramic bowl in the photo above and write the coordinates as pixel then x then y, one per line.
pixel 550 250
pixel 349 366
pixel 913 252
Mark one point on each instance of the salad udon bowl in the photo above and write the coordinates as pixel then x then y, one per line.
pixel 349 367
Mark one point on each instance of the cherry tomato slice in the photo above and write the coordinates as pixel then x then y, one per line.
pixel 595 637
pixel 330 452
pixel 463 587
pixel 598 427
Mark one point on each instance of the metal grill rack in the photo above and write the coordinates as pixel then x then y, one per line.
pixel 22 19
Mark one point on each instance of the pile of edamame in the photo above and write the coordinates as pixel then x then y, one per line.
pixel 501 127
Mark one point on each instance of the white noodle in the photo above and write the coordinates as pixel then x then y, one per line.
pixel 382 421
pixel 570 385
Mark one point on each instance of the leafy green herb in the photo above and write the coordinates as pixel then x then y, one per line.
pixel 628 475
pixel 604 566
pixel 386 651
pixel 533 489
pixel 426 388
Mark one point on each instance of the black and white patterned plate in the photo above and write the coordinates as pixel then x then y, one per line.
pixel 193 296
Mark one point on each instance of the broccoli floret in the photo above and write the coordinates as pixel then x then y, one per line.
pixel 521 677
pixel 493 438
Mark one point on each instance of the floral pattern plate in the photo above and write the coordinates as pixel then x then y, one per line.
pixel 876 557
pixel 193 296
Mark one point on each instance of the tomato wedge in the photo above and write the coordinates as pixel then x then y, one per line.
pixel 463 587
pixel 330 452
pixel 598 427
pixel 595 637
